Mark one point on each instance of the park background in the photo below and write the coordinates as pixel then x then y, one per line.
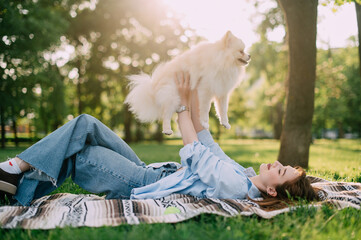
pixel 59 59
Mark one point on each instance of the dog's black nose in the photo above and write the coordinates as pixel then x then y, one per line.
pixel 249 56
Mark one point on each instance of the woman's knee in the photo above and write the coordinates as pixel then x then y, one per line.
pixel 87 119
pixel 86 116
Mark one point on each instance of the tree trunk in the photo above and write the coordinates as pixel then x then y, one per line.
pixel 277 121
pixel 16 140
pixel 358 15
pixel 128 118
pixel 217 135
pixel 158 135
pixel 139 134
pixel 341 132
pixel 78 88
pixel 78 93
pixel 2 119
pixel 56 124
pixel 301 19
pixel 43 116
pixel 127 124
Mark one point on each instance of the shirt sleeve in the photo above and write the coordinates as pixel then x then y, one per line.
pixel 206 139
pixel 224 180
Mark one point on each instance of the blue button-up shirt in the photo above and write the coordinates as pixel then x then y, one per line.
pixel 207 172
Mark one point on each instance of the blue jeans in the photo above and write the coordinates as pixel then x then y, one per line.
pixel 93 155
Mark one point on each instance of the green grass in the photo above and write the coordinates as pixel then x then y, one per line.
pixel 333 160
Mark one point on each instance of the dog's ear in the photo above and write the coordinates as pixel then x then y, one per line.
pixel 227 39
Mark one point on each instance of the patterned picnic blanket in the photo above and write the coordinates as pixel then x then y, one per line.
pixel 66 209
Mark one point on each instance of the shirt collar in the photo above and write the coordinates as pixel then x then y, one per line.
pixel 253 191
pixel 249 172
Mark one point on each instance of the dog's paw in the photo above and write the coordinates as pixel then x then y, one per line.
pixel 205 125
pixel 167 132
pixel 226 125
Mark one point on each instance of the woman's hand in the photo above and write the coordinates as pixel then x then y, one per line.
pixel 183 85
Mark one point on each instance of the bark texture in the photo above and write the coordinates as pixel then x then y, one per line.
pixel 301 19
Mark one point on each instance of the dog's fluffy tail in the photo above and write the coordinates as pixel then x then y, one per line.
pixel 141 99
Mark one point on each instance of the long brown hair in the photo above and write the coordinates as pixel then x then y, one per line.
pixel 289 193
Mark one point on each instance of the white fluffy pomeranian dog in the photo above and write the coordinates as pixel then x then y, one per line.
pixel 215 70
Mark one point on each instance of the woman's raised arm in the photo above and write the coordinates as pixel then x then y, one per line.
pixel 204 136
pixel 185 124
pixel 195 111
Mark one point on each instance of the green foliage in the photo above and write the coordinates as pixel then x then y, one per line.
pixel 339 2
pixel 66 57
pixel 51 106
pixel 70 57
pixel 24 34
pixel 337 91
pixel 267 72
pixel 116 39
pixel 27 29
pixel 268 93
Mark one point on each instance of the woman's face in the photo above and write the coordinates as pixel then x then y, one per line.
pixel 276 174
